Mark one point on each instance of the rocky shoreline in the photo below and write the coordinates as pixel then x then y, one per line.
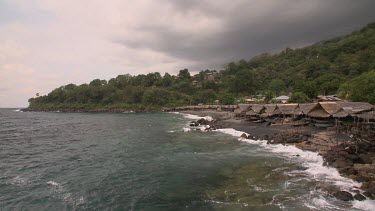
pixel 352 160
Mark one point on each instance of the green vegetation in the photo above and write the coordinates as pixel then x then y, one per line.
pixel 344 66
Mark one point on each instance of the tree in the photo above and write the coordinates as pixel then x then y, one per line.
pixel 360 88
pixel 299 97
pixel 226 99
pixel 184 74
pixel 329 83
pixel 277 86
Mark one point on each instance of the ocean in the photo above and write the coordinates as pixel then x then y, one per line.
pixel 154 161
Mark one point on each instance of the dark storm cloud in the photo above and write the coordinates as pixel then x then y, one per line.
pixel 253 27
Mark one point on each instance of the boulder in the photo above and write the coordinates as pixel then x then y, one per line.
pixel 359 197
pixel 365 159
pixel 244 135
pixel 343 195
pixel 342 163
pixel 369 168
pixel 202 121
pixel 194 124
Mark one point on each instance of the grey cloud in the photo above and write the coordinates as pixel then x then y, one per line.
pixel 254 27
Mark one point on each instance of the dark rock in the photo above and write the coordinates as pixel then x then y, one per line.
pixel 365 159
pixel 354 158
pixel 365 146
pixel 343 195
pixel 244 135
pixel 369 195
pixel 202 121
pixel 359 197
pixel 304 138
pixel 341 163
pixel 193 124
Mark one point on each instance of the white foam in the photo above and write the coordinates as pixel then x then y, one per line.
pixel 53 183
pixel 18 110
pixel 186 129
pixel 18 181
pixel 314 164
pixel 365 205
pixel 195 117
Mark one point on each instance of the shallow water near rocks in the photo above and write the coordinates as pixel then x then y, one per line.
pixel 145 161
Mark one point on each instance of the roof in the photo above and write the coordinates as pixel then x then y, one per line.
pixel 340 114
pixel 369 115
pixel 251 113
pixel 328 98
pixel 355 107
pixel 324 109
pixel 242 108
pixel 287 108
pixel 306 107
pixel 282 97
pixel 258 108
pixel 270 108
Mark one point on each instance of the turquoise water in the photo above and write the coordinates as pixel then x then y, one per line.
pixel 64 161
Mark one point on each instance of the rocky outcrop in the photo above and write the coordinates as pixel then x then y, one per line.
pixel 344 196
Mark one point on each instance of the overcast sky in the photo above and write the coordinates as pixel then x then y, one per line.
pixel 48 43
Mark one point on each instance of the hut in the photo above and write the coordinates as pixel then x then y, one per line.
pixel 353 108
pixel 241 109
pixel 269 110
pixel 324 110
pixel 228 108
pixel 341 114
pixel 282 99
pixel 286 109
pixel 303 109
pixel 258 108
pixel 368 116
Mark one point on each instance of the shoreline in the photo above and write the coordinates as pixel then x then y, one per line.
pixel 340 155
pixel 335 151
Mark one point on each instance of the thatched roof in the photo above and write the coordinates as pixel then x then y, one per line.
pixel 324 110
pixel 242 108
pixel 306 107
pixel 251 113
pixel 287 108
pixel 341 114
pixel 258 108
pixel 268 110
pixel 368 115
pixel 355 107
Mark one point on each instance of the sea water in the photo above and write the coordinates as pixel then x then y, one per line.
pixel 154 161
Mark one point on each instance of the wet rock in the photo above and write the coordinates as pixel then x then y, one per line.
pixel 369 195
pixel 304 138
pixel 194 124
pixel 202 121
pixel 359 197
pixel 343 195
pixel 369 168
pixel 342 163
pixel 244 135
pixel 365 159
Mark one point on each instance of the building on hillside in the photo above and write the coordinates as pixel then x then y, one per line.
pixel 327 98
pixel 282 99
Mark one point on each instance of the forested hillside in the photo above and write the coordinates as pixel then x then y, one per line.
pixel 343 66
